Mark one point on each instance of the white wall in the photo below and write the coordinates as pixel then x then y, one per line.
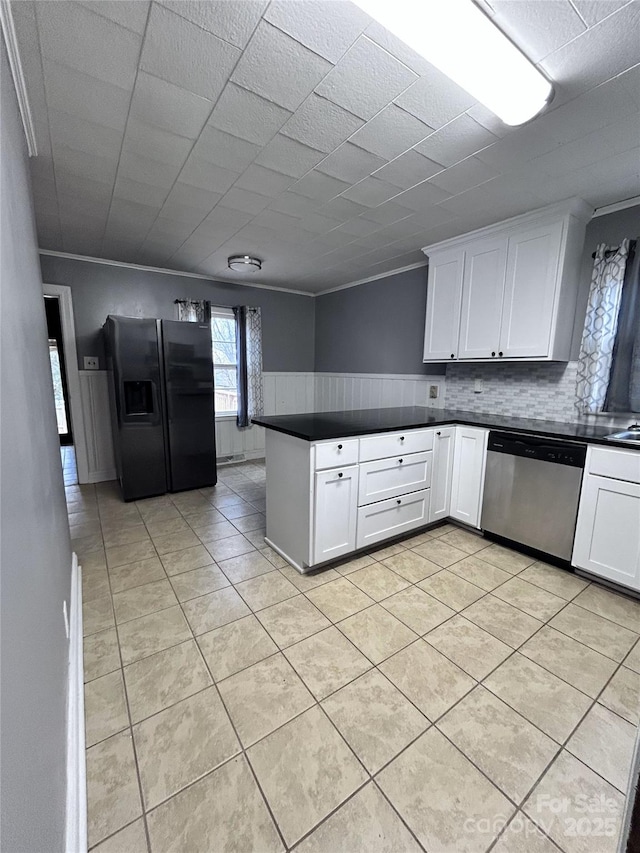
pixel 35 570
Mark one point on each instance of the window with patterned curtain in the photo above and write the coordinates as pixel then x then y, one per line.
pixel 193 311
pixel 601 326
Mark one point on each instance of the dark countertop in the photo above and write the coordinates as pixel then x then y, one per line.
pixel 320 426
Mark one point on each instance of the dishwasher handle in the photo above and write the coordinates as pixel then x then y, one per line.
pixel 538 447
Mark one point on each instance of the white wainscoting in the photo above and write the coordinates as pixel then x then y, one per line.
pixel 346 391
pixel 94 399
pixel 284 394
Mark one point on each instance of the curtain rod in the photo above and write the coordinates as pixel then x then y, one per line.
pixel 607 252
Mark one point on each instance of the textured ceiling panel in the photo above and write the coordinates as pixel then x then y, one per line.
pixel 176 133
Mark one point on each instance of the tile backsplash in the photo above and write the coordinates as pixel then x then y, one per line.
pixel 532 390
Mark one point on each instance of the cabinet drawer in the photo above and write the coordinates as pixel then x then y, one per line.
pixel 332 454
pixel 614 462
pixel 392 517
pixel 388 478
pixel 395 444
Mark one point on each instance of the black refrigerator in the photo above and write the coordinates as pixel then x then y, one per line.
pixel 162 405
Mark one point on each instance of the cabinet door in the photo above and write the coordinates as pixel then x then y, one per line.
pixel 444 292
pixel 533 260
pixel 442 473
pixel 482 291
pixel 335 513
pixel 468 474
pixel 607 539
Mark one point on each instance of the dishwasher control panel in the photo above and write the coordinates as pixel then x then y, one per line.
pixel 540 448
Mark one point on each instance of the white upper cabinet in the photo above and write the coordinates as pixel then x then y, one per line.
pixel 507 291
pixel 443 306
pixel 530 292
pixel 482 292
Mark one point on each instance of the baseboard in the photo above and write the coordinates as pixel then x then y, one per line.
pixel 102 476
pixel 76 816
pixel 237 458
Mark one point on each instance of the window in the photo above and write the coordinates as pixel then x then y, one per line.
pixel 225 366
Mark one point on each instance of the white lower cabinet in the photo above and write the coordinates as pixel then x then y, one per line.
pixel 442 473
pixel 335 513
pixel 607 539
pixel 468 474
pixel 392 517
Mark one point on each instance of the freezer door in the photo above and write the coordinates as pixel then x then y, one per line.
pixel 188 382
pixel 133 363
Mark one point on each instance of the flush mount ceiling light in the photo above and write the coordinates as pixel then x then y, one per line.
pixel 460 40
pixel 244 263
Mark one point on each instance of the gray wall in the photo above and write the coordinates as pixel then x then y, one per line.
pixel 610 229
pixel 101 289
pixel 376 327
pixel 35 550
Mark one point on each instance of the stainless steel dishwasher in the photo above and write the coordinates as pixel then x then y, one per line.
pixel 531 491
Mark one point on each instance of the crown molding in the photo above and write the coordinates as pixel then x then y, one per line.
pixel 373 278
pixel 13 52
pixel 618 205
pixel 164 271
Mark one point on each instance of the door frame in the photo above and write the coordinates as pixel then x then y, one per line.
pixel 63 293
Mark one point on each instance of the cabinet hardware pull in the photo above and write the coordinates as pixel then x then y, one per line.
pixel 438 433
pixel 500 353
pixel 340 475
pixel 453 355
pixel 493 353
pixel 399 460
pixel 401 438
pixel 398 501
pixel 339 447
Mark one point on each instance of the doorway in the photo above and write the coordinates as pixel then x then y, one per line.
pixel 60 389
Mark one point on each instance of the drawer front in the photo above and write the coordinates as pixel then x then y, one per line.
pixel 332 454
pixel 389 478
pixel 393 517
pixel 395 444
pixel 614 462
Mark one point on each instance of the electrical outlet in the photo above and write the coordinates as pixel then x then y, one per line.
pixel 478 386
pixel 433 392
pixel 91 362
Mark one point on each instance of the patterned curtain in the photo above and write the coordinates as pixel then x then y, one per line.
pixel 601 324
pixel 249 340
pixel 193 311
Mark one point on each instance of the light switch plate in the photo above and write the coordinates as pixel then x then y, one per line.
pixel 478 386
pixel 91 362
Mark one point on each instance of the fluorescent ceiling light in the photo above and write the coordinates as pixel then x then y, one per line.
pixel 460 40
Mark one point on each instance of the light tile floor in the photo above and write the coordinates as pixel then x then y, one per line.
pixel 437 694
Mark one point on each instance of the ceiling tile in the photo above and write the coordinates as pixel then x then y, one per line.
pixel 294 205
pixel 319 186
pixel 201 173
pixel 74 36
pixel 160 145
pixel 342 208
pixel 288 156
pixel 464 175
pixel 81 135
pixel 264 181
pixel 131 14
pixel 319 224
pixel 387 213
pixel 538 28
pixel 77 185
pixel 349 163
pixel 366 79
pixel 522 145
pixel 593 11
pixel 279 68
pixel 85 97
pixel 326 30
pixel 435 99
pixel 397 48
pixel 489 120
pixel 274 220
pixel 168 107
pixel 224 150
pixel 186 55
pixel 630 81
pixel 359 227
pixel 169 228
pixel 244 200
pixel 407 170
pixel 147 170
pixel 86 165
pixel 321 124
pixel 391 132
pixel 600 53
pixel 247 115
pixel 139 191
pixel 371 192
pixel 455 141
pixel 232 20
pixel 188 202
pixel 421 197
